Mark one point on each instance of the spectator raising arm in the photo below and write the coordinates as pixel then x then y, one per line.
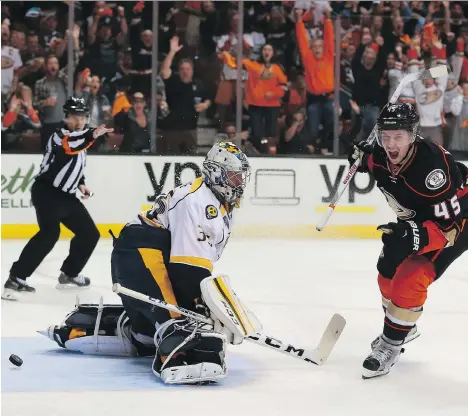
pixel 166 70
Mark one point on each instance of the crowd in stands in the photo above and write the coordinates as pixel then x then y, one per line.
pixel 288 67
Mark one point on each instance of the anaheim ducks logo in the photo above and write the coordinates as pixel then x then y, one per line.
pixel 400 211
pixel 7 62
pixel 429 97
pixel 266 73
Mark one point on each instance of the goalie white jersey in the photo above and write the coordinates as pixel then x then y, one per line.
pixel 200 226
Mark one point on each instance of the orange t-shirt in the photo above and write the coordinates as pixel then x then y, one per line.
pixel 261 80
pixel 319 73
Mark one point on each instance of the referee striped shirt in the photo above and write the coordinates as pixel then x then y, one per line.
pixel 65 158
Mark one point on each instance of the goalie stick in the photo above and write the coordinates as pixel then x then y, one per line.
pixel 316 356
pixel 436 72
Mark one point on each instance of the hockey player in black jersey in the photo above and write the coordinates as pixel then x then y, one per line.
pixel 428 191
pixel 54 197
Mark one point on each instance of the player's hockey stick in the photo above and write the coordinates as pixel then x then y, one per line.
pixel 317 356
pixel 436 72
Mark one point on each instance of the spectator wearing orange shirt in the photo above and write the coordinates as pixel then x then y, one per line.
pixel 318 61
pixel 263 92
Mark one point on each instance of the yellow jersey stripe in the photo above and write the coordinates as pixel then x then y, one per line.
pixel 196 184
pixel 154 262
pixel 193 261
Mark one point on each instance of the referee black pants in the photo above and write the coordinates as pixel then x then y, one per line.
pixel 52 208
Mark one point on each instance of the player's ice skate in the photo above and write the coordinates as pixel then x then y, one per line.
pixel 412 335
pixel 70 283
pixel 14 287
pixel 382 358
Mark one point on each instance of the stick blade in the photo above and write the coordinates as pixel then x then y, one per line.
pixel 329 338
pixel 438 71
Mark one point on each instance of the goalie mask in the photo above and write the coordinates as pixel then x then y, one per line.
pixel 226 172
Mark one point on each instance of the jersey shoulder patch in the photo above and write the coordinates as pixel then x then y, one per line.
pixel 211 212
pixel 436 179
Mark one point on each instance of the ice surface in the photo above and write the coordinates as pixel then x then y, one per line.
pixel 294 286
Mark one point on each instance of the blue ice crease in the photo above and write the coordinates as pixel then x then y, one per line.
pixel 48 368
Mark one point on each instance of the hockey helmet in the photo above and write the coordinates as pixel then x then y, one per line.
pixel 76 105
pixel 226 171
pixel 401 116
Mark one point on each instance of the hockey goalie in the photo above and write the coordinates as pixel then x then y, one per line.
pixel 168 253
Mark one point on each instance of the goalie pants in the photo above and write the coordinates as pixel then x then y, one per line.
pixel 139 262
pixel 405 292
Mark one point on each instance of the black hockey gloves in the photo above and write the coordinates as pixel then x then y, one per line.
pixel 400 241
pixel 360 151
pixel 406 236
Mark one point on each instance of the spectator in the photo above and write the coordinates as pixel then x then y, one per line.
pixel 263 92
pixel 459 143
pixel 103 48
pixel 384 80
pixel 429 94
pixel 277 28
pixel 453 96
pixel 33 59
pixel 134 124
pixel 368 66
pixel 293 135
pixel 50 94
pixel 99 109
pixel 18 39
pixel 348 137
pixel 227 84
pixel 186 99
pixel 19 118
pixel 49 28
pixel 296 96
pixel 318 61
pixel 346 79
pixel 142 52
pixel 11 63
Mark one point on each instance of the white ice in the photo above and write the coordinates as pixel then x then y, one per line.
pixel 294 286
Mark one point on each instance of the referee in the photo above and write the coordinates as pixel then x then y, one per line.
pixel 53 195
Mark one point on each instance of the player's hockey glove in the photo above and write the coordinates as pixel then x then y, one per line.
pixel 361 151
pixel 404 238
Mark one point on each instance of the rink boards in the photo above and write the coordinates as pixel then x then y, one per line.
pixel 285 196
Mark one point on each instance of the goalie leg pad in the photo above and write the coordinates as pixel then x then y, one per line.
pixel 95 329
pixel 188 352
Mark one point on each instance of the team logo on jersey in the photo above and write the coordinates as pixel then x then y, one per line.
pixel 211 212
pixel 400 211
pixel 430 97
pixel 436 179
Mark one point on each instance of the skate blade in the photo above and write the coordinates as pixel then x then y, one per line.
pixel 368 374
pixel 11 295
pixel 70 287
